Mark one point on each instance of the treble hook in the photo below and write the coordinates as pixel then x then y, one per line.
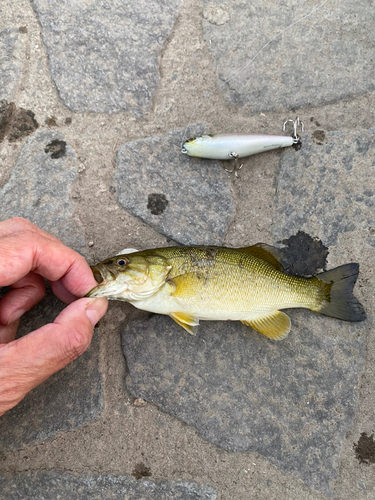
pixel 235 169
pixel 296 123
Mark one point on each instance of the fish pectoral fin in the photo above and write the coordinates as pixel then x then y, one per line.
pixel 187 321
pixel 270 254
pixel 276 326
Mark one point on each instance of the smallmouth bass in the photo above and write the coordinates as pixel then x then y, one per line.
pixel 217 283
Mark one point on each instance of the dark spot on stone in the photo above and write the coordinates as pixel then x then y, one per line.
pixel 157 203
pixel 365 449
pixel 303 255
pixel 298 145
pixel 15 123
pixel 23 124
pixel 6 111
pixel 319 136
pixel 312 119
pixel 140 470
pixel 68 120
pixel 112 189
pixel 51 121
pixel 22 29
pixel 57 149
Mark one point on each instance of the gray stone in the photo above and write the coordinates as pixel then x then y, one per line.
pixel 69 399
pixel 104 55
pixel 311 63
pixel 328 190
pixel 54 485
pixel 291 401
pixel 187 199
pixel 40 185
pixel 10 66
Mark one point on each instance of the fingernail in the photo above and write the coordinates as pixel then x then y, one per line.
pixel 16 315
pixel 96 309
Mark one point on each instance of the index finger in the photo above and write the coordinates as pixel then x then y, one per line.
pixel 10 226
pixel 29 250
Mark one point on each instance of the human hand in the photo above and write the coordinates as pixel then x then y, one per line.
pixel 28 255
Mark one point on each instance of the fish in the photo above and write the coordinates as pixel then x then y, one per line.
pixel 248 284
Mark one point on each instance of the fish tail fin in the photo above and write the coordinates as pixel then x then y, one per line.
pixel 338 300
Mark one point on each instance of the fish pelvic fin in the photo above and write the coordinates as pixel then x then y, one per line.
pixel 337 289
pixel 187 321
pixel 275 326
pixel 270 254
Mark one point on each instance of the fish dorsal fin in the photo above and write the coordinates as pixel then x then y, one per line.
pixel 270 254
pixel 275 326
pixel 186 320
pixel 126 251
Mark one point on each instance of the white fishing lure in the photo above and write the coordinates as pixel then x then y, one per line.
pixel 231 146
pixel 234 146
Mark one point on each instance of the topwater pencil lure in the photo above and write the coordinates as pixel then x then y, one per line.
pixel 235 146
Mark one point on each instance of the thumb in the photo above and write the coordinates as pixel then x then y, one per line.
pixel 28 361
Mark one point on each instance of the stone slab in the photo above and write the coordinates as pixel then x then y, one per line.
pixel 323 59
pixel 104 55
pixel 69 399
pixel 11 43
pixel 187 199
pixel 39 187
pixel 328 190
pixel 291 401
pixel 53 485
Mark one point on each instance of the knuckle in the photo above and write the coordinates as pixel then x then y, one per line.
pixel 23 223
pixel 78 342
pixel 10 395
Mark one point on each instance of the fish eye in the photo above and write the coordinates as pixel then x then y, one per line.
pixel 122 262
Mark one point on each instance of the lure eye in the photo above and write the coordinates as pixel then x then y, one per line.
pixel 122 262
pixel 192 139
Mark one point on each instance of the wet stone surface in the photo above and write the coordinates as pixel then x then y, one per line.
pixel 16 123
pixel 288 74
pixel 52 485
pixel 365 449
pixel 104 55
pixel 303 255
pixel 39 188
pixel 69 399
pixel 291 401
pixel 187 199
pixel 328 190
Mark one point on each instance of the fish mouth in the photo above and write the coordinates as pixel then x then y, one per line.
pixel 102 274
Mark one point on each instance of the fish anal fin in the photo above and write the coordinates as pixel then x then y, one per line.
pixel 270 254
pixel 275 326
pixel 186 320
